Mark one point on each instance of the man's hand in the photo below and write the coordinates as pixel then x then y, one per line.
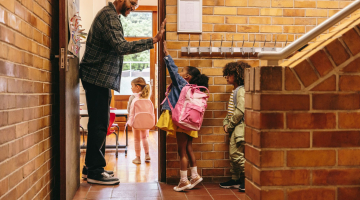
pixel 161 32
pixel 165 49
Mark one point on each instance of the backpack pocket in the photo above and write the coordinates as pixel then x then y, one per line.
pixel 193 115
pixel 144 121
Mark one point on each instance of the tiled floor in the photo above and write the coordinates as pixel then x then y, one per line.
pixel 140 181
pixel 155 191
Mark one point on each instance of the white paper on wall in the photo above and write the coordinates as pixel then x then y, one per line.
pixel 190 16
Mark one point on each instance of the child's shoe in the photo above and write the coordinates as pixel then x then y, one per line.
pixel 147 158
pixel 195 181
pixel 230 184
pixel 182 186
pixel 137 160
pixel 242 185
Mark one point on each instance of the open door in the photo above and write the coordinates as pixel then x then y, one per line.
pixel 69 105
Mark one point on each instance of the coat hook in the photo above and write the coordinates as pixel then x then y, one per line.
pixel 264 42
pixel 287 36
pixel 210 45
pixel 253 50
pixel 232 45
pixel 221 45
pixel 275 41
pixel 242 47
pixel 189 45
pixel 199 45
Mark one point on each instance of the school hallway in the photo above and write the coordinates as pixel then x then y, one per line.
pixel 141 181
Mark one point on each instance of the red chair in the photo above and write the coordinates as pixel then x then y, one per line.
pixel 110 131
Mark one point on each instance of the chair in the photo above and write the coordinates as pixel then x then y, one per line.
pixel 109 131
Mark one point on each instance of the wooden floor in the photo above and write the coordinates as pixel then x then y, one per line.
pixel 141 181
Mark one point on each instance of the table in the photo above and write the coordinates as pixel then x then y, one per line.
pixel 118 113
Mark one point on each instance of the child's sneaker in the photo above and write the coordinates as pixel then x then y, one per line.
pixel 147 158
pixel 230 184
pixel 195 181
pixel 137 160
pixel 242 185
pixel 182 186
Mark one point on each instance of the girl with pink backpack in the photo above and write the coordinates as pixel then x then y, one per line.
pixel 182 115
pixel 141 116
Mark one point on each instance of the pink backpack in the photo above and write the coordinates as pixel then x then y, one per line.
pixel 141 114
pixel 188 113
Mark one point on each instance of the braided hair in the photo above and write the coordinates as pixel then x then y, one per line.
pixel 237 69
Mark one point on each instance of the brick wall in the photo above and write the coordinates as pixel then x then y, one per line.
pixel 26 100
pixel 248 19
pixel 302 134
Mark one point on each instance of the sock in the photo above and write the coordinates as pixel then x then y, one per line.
pixel 194 173
pixel 183 176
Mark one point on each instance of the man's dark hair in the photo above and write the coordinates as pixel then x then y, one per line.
pixel 237 69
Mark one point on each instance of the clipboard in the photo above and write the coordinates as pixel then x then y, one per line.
pixel 189 16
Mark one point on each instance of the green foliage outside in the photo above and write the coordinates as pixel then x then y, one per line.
pixel 137 24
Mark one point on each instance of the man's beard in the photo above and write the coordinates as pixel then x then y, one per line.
pixel 123 9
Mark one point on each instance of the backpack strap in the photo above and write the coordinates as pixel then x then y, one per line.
pixel 166 93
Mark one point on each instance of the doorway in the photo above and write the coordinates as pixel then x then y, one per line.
pixel 141 24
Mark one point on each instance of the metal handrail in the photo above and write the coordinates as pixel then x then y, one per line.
pixel 274 57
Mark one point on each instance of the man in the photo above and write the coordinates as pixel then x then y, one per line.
pixel 100 71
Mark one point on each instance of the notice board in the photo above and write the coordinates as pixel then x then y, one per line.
pixel 189 16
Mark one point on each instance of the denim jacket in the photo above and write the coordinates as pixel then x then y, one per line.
pixel 178 83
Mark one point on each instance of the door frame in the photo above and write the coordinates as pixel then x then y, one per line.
pixel 161 92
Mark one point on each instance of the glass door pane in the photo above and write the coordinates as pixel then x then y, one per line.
pixel 135 65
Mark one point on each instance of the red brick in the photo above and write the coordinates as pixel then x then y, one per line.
pixel 213 138
pixel 349 83
pixel 349 120
pixel 252 155
pixel 313 158
pixel 213 172
pixel 268 78
pixel 349 193
pixel 264 120
pixel 5 136
pixel 275 102
pixel 349 157
pixel 321 62
pixel 212 155
pixel 221 163
pixel 337 52
pixel 284 177
pixel 248 100
pixel 284 140
pixel 252 190
pixel 311 194
pixel 202 147
pixel 248 170
pixel 354 66
pixel 271 159
pixel 336 139
pixel 272 195
pixel 291 82
pixel 336 101
pixel 306 73
pixel 336 177
pixel 352 41
pixel 248 135
pixel 327 85
pixel 310 120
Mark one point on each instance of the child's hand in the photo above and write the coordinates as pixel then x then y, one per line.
pixel 226 129
pixel 165 49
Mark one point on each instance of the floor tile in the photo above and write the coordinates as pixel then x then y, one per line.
pixel 197 192
pixel 199 197
pixel 98 195
pixel 211 185
pixel 124 194
pixel 220 191
pixel 222 197
pixel 149 193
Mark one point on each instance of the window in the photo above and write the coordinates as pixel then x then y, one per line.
pixel 137 25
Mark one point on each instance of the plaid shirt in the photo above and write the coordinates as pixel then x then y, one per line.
pixel 102 62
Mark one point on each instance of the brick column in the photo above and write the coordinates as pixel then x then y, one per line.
pixel 303 121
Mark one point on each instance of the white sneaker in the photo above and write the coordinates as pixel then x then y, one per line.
pixel 182 186
pixel 137 160
pixel 147 158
